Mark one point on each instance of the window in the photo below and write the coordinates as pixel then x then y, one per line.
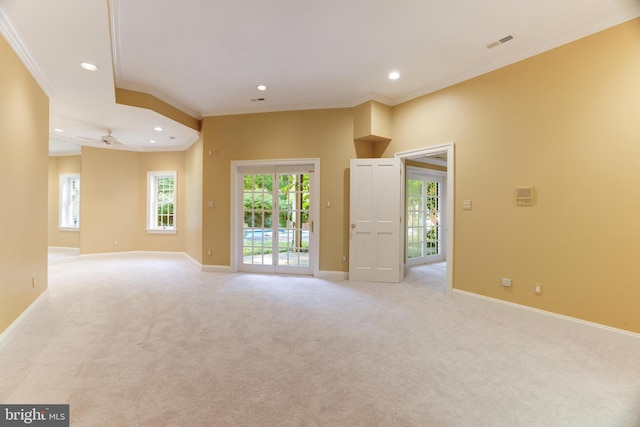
pixel 161 211
pixel 69 218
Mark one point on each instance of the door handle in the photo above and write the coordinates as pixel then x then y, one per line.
pixel 312 226
pixel 353 226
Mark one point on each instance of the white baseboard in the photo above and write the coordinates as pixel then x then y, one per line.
pixel 14 327
pixel 497 303
pixel 208 268
pixel 129 253
pixel 333 275
pixel 216 269
pixel 193 260
pixel 336 275
pixel 155 254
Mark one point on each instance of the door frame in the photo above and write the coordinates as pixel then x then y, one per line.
pixel 449 150
pixel 235 200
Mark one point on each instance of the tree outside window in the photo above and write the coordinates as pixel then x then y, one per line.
pixel 162 201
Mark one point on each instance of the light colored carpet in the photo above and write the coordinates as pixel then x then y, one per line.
pixel 151 341
pixel 59 254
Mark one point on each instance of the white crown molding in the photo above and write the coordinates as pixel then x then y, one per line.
pixel 299 107
pixel 551 44
pixel 276 108
pixel 15 41
pixel 114 7
pixel 372 96
pixel 114 11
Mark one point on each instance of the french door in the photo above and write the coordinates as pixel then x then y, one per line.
pixel 277 219
pixel 425 217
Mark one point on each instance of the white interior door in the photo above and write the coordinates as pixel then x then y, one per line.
pixel 375 226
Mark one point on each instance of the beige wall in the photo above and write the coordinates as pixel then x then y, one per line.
pixel 324 134
pixel 24 122
pixel 59 165
pixel 566 123
pixel 113 201
pixel 193 219
pixel 422 165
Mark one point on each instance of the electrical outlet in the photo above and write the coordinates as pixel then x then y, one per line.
pixel 209 252
pixel 537 288
pixel 506 282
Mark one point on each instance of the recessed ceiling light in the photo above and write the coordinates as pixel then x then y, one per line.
pixel 153 141
pixel 58 130
pixel 89 67
pixel 261 87
pixel 394 75
pixel 158 129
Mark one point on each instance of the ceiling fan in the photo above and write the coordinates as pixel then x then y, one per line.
pixel 109 139
pixel 95 137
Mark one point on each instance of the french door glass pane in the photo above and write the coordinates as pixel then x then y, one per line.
pixel 276 219
pixel 257 214
pixel 423 217
pixel 433 218
pixel 293 220
pixel 415 218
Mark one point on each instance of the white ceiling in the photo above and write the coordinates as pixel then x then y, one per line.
pixel 207 56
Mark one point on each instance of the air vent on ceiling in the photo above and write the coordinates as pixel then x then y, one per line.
pixel 500 41
pixel 257 99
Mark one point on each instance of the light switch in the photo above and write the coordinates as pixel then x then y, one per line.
pixel 466 205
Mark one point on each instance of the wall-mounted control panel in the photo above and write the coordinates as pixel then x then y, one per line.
pixel 524 196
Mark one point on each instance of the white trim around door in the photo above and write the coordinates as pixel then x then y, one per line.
pixel 447 149
pixel 236 229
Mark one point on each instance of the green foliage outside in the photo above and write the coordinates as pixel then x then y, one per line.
pixel 165 192
pixel 292 205
pixel 422 201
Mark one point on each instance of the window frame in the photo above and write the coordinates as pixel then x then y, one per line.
pixel 65 180
pixel 152 202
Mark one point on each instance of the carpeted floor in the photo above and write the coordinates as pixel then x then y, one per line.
pixel 151 341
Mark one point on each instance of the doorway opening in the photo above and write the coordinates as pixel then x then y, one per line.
pixel 425 197
pixel 274 227
pixel 428 209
